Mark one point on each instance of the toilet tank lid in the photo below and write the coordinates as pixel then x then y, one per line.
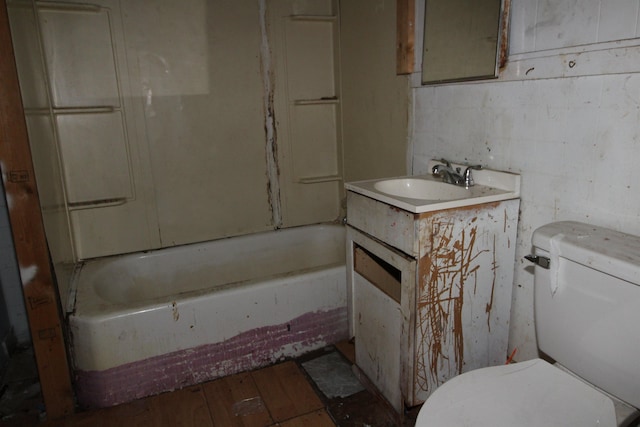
pixel 608 251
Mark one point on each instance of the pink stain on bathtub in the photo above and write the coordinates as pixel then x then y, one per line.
pixel 249 350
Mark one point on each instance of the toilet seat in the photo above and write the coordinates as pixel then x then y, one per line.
pixel 528 394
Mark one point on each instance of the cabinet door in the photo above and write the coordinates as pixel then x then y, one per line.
pixel 377 339
pixel 465 280
pixel 382 289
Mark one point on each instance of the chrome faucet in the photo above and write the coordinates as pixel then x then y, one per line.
pixel 455 176
pixel 448 174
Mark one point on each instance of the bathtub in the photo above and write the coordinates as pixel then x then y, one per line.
pixel 151 322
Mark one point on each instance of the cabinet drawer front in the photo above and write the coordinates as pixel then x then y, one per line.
pixel 389 224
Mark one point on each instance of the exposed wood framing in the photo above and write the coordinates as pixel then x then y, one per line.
pixel 29 239
pixel 503 46
pixel 405 36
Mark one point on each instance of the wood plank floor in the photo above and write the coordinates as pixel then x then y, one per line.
pixel 276 395
pixel 279 395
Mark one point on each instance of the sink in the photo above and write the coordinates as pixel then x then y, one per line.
pixel 426 193
pixel 421 188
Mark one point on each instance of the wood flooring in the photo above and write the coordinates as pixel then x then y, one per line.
pixel 279 395
pixel 276 395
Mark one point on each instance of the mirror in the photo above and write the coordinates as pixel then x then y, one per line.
pixel 463 39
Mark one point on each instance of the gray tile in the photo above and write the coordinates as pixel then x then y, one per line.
pixel 332 374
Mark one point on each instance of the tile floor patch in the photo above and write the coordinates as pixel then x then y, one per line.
pixel 333 375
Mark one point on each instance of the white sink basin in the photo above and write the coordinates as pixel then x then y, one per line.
pixel 420 188
pixel 425 193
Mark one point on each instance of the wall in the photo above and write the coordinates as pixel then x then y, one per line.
pixel 198 65
pixel 13 316
pixel 150 122
pixel 564 115
pixel 304 43
pixel 376 101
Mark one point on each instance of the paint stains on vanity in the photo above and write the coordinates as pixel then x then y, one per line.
pixel 451 266
pixel 462 303
pixel 494 267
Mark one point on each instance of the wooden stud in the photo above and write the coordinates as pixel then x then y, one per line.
pixel 40 293
pixel 503 47
pixel 405 36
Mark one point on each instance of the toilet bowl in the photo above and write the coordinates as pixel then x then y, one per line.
pixel 587 301
pixel 527 394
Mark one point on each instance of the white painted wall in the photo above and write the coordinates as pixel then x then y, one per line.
pixel 565 115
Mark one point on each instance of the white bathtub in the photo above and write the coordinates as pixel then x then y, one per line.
pixel 151 322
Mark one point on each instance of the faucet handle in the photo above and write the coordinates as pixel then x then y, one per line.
pixel 468 178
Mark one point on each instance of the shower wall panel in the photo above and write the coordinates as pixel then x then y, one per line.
pixel 105 179
pixel 196 67
pixel 305 41
pixel 156 114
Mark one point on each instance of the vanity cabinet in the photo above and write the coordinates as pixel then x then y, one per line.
pixel 429 293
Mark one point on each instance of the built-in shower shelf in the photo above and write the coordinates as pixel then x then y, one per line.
pixel 320 101
pixel 72 110
pixel 86 110
pixel 90 204
pixel 316 18
pixel 67 7
pixel 319 179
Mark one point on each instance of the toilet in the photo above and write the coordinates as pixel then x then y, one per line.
pixel 587 318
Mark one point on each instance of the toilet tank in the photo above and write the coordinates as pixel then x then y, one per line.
pixel 587 304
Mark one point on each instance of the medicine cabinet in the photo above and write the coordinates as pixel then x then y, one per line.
pixel 464 40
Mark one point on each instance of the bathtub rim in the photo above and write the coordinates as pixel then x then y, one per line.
pixel 87 329
pixel 81 265
pixel 96 310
